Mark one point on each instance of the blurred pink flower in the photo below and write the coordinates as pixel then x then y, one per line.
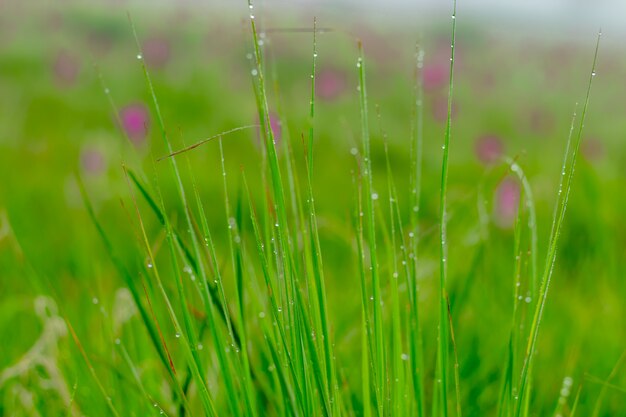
pixel 65 69
pixel 135 120
pixel 330 84
pixel 506 202
pixel 592 149
pixel 488 149
pixel 100 42
pixel 53 22
pixel 156 52
pixel 435 76
pixel 92 161
pixel 276 127
pixel 540 121
pixel 440 108
pixel 380 49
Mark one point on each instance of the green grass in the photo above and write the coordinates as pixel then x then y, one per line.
pixel 288 276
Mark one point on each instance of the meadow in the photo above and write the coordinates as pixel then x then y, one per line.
pixel 233 212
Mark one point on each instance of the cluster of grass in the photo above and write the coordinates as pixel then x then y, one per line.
pixel 246 316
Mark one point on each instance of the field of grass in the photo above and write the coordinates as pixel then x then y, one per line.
pixel 295 261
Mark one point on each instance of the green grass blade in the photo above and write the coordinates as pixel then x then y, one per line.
pixel 552 249
pixel 378 333
pixel 442 341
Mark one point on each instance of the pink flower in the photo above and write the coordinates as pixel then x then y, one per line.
pixel 135 122
pixel 540 121
pixel 488 149
pixel 506 203
pixel 100 42
pixel 156 52
pixel 435 76
pixel 92 161
pixel 65 68
pixel 276 127
pixel 329 84
pixel 592 149
pixel 440 108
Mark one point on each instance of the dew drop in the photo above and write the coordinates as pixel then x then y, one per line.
pixel 139 56
pixel 254 72
pixel 354 151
